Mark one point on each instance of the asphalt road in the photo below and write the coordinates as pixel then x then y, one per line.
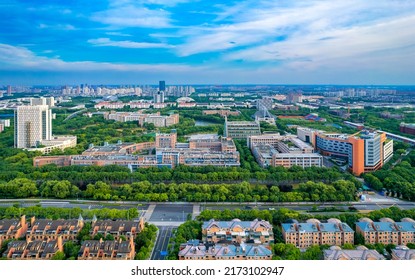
pixel 171 212
pixel 162 242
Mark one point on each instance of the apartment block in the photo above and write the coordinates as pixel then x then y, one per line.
pixel 387 231
pixel 109 105
pixel 313 232
pixel 33 250
pixel 241 129
pixel 222 113
pixel 139 105
pixel 32 124
pixel 225 252
pixel 360 253
pixel 166 140
pixel 365 151
pixel 408 128
pixel 107 250
pixel 256 231
pixel 159 121
pixel 5 122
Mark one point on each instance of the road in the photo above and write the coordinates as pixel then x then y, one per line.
pixel 162 242
pixel 177 212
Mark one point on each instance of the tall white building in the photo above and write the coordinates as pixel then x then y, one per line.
pixel 158 97
pixel 32 124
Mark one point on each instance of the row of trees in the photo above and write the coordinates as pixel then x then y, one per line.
pixel 145 191
pixel 398 182
pixel 145 242
pixel 66 213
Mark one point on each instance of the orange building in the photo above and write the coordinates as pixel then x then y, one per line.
pixel 53 229
pixel 365 151
pixel 13 229
pixel 33 250
pixel 107 250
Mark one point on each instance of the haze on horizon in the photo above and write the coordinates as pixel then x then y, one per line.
pixel 207 42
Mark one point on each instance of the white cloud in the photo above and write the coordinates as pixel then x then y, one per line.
pixel 250 24
pixel 57 26
pixel 133 16
pixel 118 34
pixel 107 42
pixel 377 45
pixel 20 58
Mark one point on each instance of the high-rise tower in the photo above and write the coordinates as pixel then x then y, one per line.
pixel 32 124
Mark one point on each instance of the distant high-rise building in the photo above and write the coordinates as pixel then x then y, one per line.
pixel 32 124
pixel 293 98
pixel 162 86
pixel 158 97
pixel 9 90
pixel 50 101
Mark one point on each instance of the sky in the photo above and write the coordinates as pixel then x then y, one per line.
pixel 57 42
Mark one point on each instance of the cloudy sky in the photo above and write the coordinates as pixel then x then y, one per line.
pixel 207 42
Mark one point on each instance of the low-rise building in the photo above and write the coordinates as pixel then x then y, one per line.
pixel 225 252
pixel 58 160
pixel 313 232
pixel 13 229
pixel 107 250
pixel 44 229
pixel 56 142
pixel 117 228
pixel 387 231
pixel 403 253
pixel 196 157
pixel 118 149
pixel 156 119
pixel 241 129
pixel 276 150
pixel 408 128
pixel 33 250
pixel 109 105
pixel 222 113
pixel 360 253
pixel 212 142
pixel 256 231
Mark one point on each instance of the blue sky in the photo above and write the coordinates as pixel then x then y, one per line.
pixel 207 42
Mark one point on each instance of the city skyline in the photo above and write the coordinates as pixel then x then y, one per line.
pixel 198 42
